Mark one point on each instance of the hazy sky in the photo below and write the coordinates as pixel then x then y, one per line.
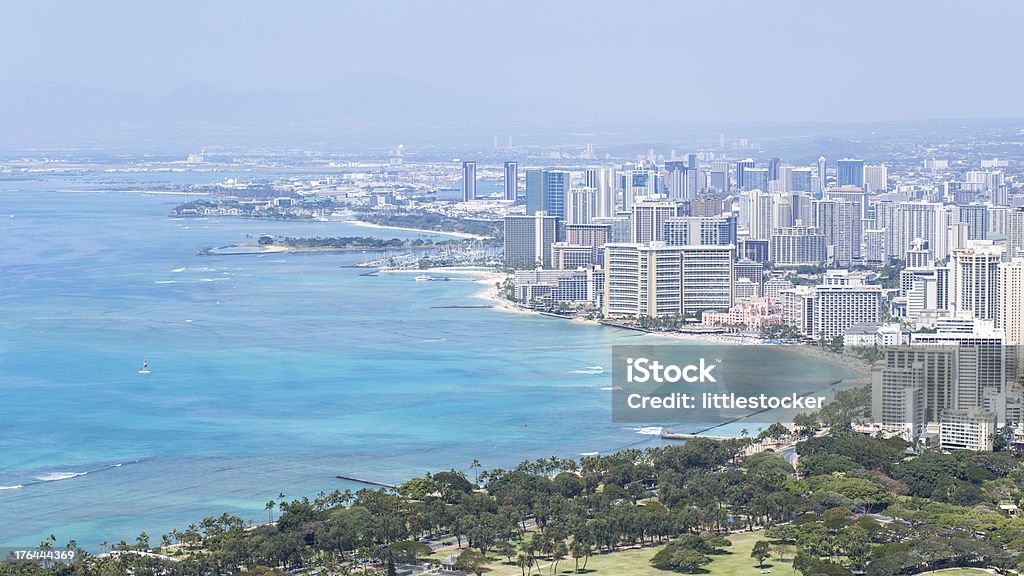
pixel 755 60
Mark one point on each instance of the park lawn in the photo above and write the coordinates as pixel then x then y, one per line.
pixel 959 572
pixel 739 562
pixel 637 562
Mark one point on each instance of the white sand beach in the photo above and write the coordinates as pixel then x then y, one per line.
pixel 465 235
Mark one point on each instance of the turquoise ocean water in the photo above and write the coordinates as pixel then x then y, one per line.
pixel 269 374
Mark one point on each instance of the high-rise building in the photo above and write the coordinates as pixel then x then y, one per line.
pixel 773 169
pixel 927 293
pixel 655 279
pixel 755 179
pixel 566 256
pixel 545 192
pixel 642 280
pixel 741 170
pixel 757 212
pixel 1011 314
pixel 512 181
pixel 695 230
pixel 974 280
pixel 822 175
pixel 1015 233
pixel 468 181
pixel 982 357
pixel 707 273
pixel 580 205
pixel 602 180
pixel 774 287
pixel 593 235
pixel 649 218
pixel 749 270
pixel 711 205
pixel 800 180
pixel 840 224
pixel 897 398
pixel 876 178
pixel 528 240
pixel 850 172
pixel 939 372
pixel 641 181
pixel 976 216
pixel 873 247
pixel 718 177
pixel 926 221
pixel 840 305
pixel 798 246
pixel 972 429
pixel 680 180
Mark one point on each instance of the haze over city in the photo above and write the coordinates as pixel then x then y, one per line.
pixel 367 70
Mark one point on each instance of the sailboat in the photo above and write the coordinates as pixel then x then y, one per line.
pixel 145 367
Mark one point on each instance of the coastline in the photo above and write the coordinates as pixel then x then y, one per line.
pixel 489 277
pixel 463 235
pixel 280 249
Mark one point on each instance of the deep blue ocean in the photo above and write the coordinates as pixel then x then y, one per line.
pixel 270 373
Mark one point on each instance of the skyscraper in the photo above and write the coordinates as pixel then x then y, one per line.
pixel 800 180
pixel 822 175
pixel 655 279
pixel 649 218
pixel 641 181
pixel 603 180
pixel 681 180
pixel 468 181
pixel 580 205
pixel 974 280
pixel 545 192
pixel 512 181
pixel 1011 313
pixel 850 172
pixel 876 178
pixel 755 179
pixel 976 216
pixel 741 170
pixel 773 168
pixel 528 240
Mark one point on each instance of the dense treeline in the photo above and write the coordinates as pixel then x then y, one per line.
pixel 859 503
pixel 352 242
pixel 435 221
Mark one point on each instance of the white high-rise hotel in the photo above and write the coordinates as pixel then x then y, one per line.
pixel 655 279
pixel 974 280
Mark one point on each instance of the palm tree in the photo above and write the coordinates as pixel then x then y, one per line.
pixel 475 464
pixel 270 510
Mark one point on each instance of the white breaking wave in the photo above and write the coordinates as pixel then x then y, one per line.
pixel 55 476
pixel 166 282
pixel 648 430
pixel 589 371
pixel 179 270
pixel 15 487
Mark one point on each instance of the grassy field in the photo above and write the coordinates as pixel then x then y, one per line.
pixel 637 562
